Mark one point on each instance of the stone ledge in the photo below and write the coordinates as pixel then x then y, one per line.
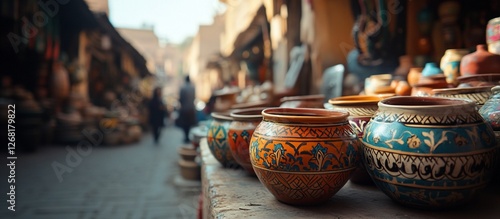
pixel 231 193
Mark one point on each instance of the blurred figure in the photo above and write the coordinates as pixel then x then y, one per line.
pixel 157 113
pixel 187 112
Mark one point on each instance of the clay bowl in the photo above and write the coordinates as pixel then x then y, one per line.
pixel 262 103
pixel 480 80
pixel 304 101
pixel 478 94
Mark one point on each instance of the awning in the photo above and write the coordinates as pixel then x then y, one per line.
pixel 139 60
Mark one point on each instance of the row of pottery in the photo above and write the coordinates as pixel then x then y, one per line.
pixel 421 151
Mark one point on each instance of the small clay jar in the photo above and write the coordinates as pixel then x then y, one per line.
pixel 480 62
pixel 305 101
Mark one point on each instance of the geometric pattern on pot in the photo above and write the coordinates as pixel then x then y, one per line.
pixel 218 144
pixel 302 188
pixel 303 131
pixel 311 149
pixel 420 119
pixel 454 171
pixel 479 97
pixel 358 110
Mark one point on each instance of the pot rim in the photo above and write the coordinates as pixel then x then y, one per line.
pixel 431 103
pixel 305 115
pixel 222 115
pixel 495 88
pixel 303 97
pixel 462 90
pixel 356 100
pixel 249 114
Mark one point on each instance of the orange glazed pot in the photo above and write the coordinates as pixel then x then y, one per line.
pixel 304 156
pixel 240 132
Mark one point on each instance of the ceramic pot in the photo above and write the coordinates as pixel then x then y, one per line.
pixel 450 64
pixel 476 94
pixel 240 132
pixel 480 62
pixel 414 76
pixel 431 69
pixel 490 111
pixel 361 109
pixel 377 82
pixel 305 101
pixel 429 152
pixel 493 35
pixel 217 139
pixel 304 156
pixel 426 85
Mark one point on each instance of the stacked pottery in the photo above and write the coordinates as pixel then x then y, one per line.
pixel 240 132
pixel 450 64
pixel 305 101
pixel 429 152
pixel 304 156
pixel 361 109
pixel 217 139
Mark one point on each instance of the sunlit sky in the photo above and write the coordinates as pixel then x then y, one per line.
pixel 173 20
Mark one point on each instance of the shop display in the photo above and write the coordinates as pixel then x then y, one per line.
pixel 429 152
pixel 304 156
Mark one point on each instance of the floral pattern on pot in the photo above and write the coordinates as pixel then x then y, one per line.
pixel 429 152
pixel 217 139
pixel 304 162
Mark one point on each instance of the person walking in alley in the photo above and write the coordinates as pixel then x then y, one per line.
pixel 187 112
pixel 157 113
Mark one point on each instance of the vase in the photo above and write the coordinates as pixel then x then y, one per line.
pixel 480 62
pixel 217 139
pixel 414 75
pixel 493 35
pixel 361 109
pixel 305 101
pixel 431 69
pixel 304 156
pixel 450 64
pixel 429 152
pixel 240 132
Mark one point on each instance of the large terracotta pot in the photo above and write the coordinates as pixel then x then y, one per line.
pixel 429 152
pixel 361 110
pixel 479 80
pixel 450 63
pixel 240 132
pixel 305 101
pixel 480 62
pixel 217 139
pixel 304 156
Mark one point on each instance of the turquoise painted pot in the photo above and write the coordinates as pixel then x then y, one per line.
pixel 217 139
pixel 429 152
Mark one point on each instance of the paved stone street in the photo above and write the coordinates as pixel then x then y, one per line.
pixel 140 180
